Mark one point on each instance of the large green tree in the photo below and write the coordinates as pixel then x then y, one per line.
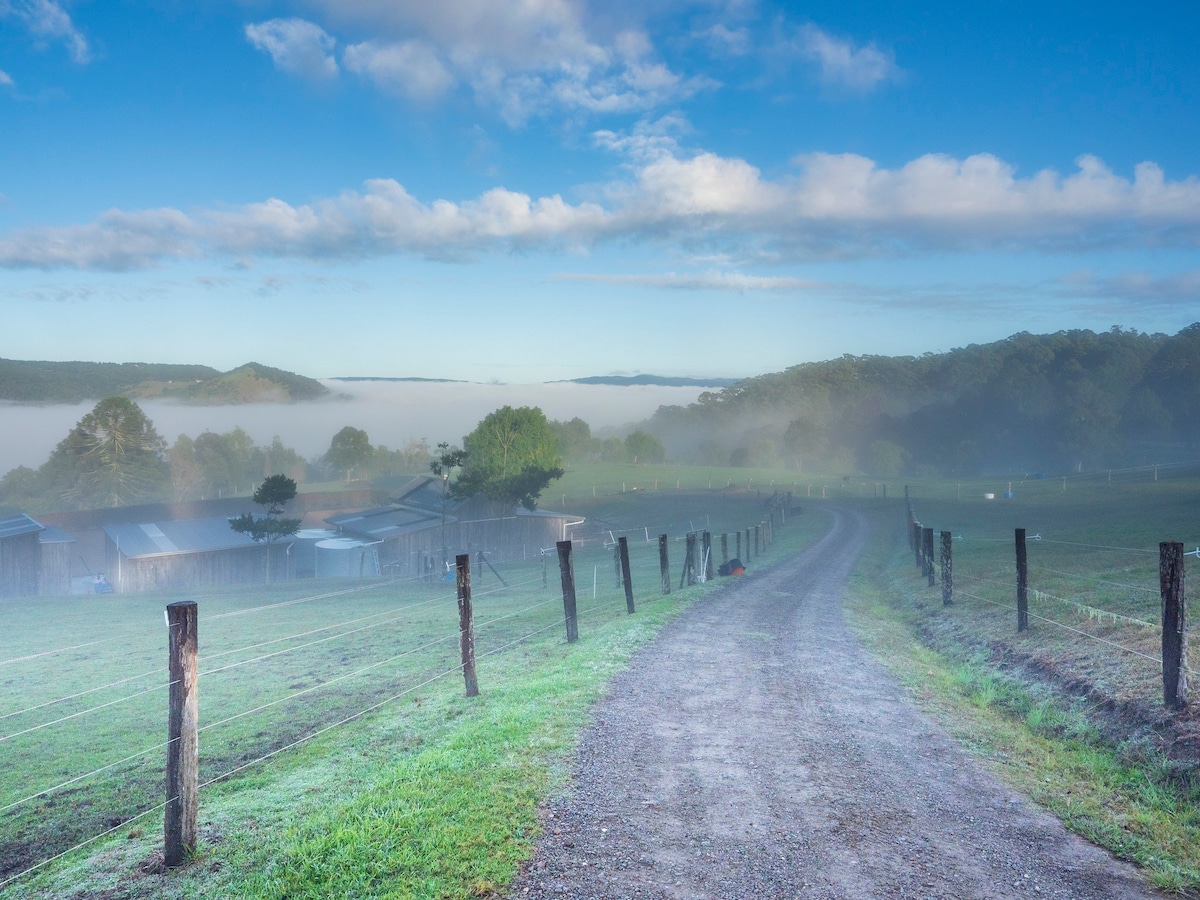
pixel 511 456
pixel 349 450
pixel 112 457
pixel 275 492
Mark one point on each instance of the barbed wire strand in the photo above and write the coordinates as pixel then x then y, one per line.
pixel 84 843
pixel 84 712
pixel 79 778
pixel 79 694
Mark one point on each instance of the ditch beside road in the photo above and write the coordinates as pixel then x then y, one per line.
pixel 755 750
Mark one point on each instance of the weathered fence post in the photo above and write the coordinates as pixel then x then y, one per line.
pixel 1022 582
pixel 664 565
pixel 738 551
pixel 466 622
pixel 568 590
pixel 617 562
pixel 749 555
pixel 947 569
pixel 914 541
pixel 688 575
pixel 183 748
pixel 707 552
pixel 928 544
pixel 757 540
pixel 1174 624
pixel 544 567
pixel 724 547
pixel 623 546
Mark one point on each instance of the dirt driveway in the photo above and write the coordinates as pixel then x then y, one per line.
pixel 755 750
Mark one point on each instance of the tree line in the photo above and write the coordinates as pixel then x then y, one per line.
pixel 114 456
pixel 1067 401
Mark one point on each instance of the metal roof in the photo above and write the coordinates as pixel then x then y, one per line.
pixel 54 535
pixel 18 524
pixel 186 536
pixel 385 522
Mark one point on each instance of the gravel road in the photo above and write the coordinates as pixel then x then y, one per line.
pixel 755 750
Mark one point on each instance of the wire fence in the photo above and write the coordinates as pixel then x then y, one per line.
pixel 82 721
pixel 1097 610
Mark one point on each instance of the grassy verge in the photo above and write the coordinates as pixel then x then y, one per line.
pixel 1051 743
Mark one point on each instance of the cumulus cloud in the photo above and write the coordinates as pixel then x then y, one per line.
pixel 47 21
pixel 521 59
pixel 297 47
pixel 842 64
pixel 832 206
pixel 409 68
pixel 6 80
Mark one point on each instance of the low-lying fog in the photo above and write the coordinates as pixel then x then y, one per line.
pixel 391 412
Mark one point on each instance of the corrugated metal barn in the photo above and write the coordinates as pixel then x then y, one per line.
pixel 411 528
pixel 54 577
pixel 20 555
pixel 187 554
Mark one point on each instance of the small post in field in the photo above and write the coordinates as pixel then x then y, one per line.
pixel 688 575
pixel 623 545
pixel 466 622
pixel 1174 625
pixel 568 590
pixel 914 541
pixel 928 544
pixel 724 547
pixel 738 551
pixel 617 563
pixel 708 556
pixel 664 566
pixel 947 569
pixel 183 749
pixel 1022 582
pixel 757 540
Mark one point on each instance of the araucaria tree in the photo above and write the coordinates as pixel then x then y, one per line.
pixel 112 457
pixel 511 456
pixel 272 495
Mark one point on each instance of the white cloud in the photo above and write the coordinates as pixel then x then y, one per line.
pixel 706 281
pixel 521 59
pixel 6 79
pixel 297 47
pixel 1141 288
pixel 409 68
pixel 834 206
pixel 842 64
pixel 48 21
pixel 725 41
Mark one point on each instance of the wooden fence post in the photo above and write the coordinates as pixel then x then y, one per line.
pixel 688 575
pixel 738 551
pixel 1174 624
pixel 757 540
pixel 724 547
pixel 749 555
pixel 183 748
pixel 544 568
pixel 623 545
pixel 947 569
pixel 664 565
pixel 617 562
pixel 914 541
pixel 1022 582
pixel 568 590
pixel 708 556
pixel 928 544
pixel 466 622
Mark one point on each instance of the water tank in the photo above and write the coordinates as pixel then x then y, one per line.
pixel 346 558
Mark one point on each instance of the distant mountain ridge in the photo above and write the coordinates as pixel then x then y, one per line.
pixel 39 381
pixel 658 380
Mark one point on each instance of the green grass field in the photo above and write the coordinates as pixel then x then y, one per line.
pixel 345 761
pixel 319 701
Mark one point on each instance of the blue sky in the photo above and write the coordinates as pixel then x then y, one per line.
pixel 547 189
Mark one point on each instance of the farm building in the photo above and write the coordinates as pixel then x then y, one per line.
pixel 20 555
pixel 410 531
pixel 187 554
pixel 54 576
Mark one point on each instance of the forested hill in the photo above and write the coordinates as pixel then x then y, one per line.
pixel 28 381
pixel 1056 402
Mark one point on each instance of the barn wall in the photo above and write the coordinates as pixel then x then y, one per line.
pixel 55 576
pixel 519 537
pixel 181 571
pixel 20 560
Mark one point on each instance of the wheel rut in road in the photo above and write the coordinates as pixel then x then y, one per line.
pixel 755 750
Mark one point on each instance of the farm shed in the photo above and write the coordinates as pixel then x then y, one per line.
pixel 20 555
pixel 187 554
pixel 410 529
pixel 57 547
